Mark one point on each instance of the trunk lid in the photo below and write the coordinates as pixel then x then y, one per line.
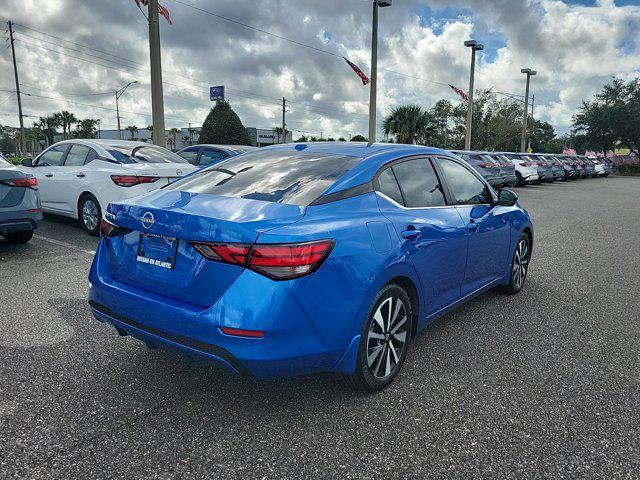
pixel 187 217
pixel 10 196
pixel 167 171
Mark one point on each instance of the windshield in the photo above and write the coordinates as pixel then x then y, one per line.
pixel 488 158
pixel 293 178
pixel 144 154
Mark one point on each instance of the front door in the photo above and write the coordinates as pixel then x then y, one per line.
pixel 486 223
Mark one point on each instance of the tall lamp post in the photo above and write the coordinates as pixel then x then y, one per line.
pixel 475 47
pixel 529 73
pixel 374 68
pixel 118 95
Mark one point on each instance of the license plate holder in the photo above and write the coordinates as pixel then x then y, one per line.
pixel 157 250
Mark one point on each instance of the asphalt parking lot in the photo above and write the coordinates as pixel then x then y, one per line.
pixel 545 384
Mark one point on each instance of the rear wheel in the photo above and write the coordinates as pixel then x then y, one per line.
pixel 384 340
pixel 18 237
pixel 520 180
pixel 519 265
pixel 89 214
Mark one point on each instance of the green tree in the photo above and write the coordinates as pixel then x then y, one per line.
pixel 223 126
pixel 174 136
pixel 66 119
pixel 86 128
pixel 132 130
pixel 302 139
pixel 407 123
pixel 359 138
pixel 48 127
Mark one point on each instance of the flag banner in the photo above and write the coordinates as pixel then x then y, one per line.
pixel 363 77
pixel 460 92
pixel 161 10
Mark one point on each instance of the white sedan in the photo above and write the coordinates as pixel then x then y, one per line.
pixel 78 178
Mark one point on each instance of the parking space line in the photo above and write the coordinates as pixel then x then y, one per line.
pixel 64 244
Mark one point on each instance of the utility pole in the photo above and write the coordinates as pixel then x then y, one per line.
pixel 475 47
pixel 157 102
pixel 284 124
pixel 118 95
pixel 373 90
pixel 529 73
pixel 23 142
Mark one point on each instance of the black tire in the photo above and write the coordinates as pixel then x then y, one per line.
pixel 519 268
pixel 367 376
pixel 521 182
pixel 16 238
pixel 86 218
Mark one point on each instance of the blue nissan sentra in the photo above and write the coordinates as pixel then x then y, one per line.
pixel 307 258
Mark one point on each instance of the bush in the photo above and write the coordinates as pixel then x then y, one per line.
pixel 629 170
pixel 223 127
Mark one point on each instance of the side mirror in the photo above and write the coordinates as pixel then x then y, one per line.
pixel 27 162
pixel 507 198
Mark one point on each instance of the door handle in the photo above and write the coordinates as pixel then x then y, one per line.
pixel 80 175
pixel 411 234
pixel 472 226
pixel 48 175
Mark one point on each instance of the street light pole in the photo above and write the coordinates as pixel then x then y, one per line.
pixel 373 88
pixel 529 73
pixel 157 101
pixel 475 47
pixel 118 95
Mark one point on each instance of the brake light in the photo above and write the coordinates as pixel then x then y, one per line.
pixel 276 261
pixel 28 182
pixel 241 332
pixel 527 164
pixel 486 165
pixel 108 229
pixel 131 180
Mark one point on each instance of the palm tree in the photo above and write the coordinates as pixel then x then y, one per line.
pixel 48 126
pixel 174 133
pixel 66 119
pixel 408 123
pixel 132 130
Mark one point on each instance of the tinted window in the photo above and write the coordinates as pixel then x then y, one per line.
pixel 144 154
pixel 91 156
pixel 52 157
pixel 76 156
pixel 465 187
pixel 419 184
pixel 295 178
pixel 388 185
pixel 210 156
pixel 190 155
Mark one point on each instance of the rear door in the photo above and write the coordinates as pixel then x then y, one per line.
pixel 47 170
pixel 486 224
pixel 432 233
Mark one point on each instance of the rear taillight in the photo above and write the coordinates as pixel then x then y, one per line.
pixel 108 229
pixel 131 180
pixel 486 165
pixel 28 182
pixel 527 164
pixel 277 261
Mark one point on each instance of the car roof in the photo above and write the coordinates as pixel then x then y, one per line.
pixel 374 156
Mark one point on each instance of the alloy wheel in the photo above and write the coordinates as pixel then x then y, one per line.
pixel 387 337
pixel 90 215
pixel 520 263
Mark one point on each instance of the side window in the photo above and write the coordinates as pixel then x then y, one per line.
pixel 76 156
pixel 419 183
pixel 52 157
pixel 190 155
pixel 388 185
pixel 92 155
pixel 465 187
pixel 209 157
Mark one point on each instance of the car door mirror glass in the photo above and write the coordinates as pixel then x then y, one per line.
pixel 27 162
pixel 507 198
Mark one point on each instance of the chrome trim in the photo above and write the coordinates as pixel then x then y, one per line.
pixel 428 208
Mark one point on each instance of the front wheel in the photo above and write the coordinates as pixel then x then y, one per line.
pixel 90 214
pixel 519 265
pixel 384 340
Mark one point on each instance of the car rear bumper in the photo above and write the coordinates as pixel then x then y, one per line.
pixel 293 341
pixel 26 223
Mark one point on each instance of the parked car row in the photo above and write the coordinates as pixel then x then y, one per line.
pixel 502 169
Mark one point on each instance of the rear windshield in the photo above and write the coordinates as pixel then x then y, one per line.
pixel 293 178
pixel 143 154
